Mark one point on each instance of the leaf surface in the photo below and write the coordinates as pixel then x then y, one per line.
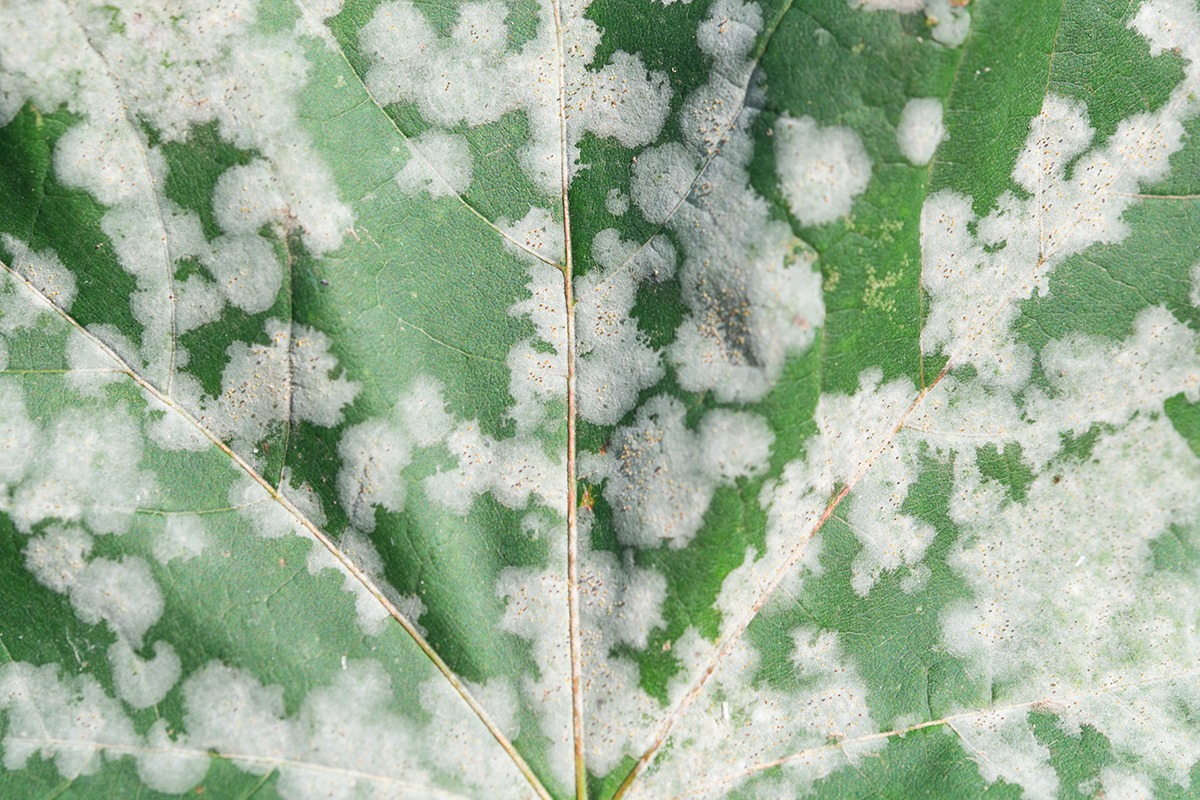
pixel 608 399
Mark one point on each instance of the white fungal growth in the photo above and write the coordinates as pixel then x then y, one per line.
pixel 183 538
pixel 473 76
pixel 247 197
pixel 372 615
pixel 85 468
pixel 374 454
pixel 821 169
pixel 246 271
pixel 620 604
pixel 292 379
pixel 512 470
pixel 741 720
pixel 616 202
pixel 143 682
pixel 91 368
pixel 65 718
pixel 920 130
pixel 1002 744
pixel 439 164
pixel 753 298
pixel 660 477
pixel 950 22
pixel 614 361
pixel 53 284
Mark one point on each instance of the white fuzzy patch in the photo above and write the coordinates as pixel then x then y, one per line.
pixel 616 202
pixel 950 22
pixel 183 538
pixel 821 169
pixel 614 361
pixel 53 283
pixel 920 130
pixel 373 455
pixel 473 77
pixel 1002 744
pixel 291 379
pixel 64 718
pixel 753 298
pixel 143 682
pixel 660 477
pixel 439 164
pixel 246 271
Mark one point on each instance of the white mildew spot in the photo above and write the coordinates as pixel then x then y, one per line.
pixel 198 302
pixel 373 454
pixel 57 556
pixel 422 412
pixel 143 682
pixel 85 467
pixel 121 593
pixel 169 429
pixel 473 76
pixel 170 764
pixel 183 538
pixel 127 68
pixel 949 22
pixel 512 470
pixel 347 727
pixel 1081 580
pixel 439 164
pixel 660 477
pixel 920 130
pixel 246 198
pixel 821 169
pixel 1002 745
pixel 246 270
pixel 91 368
pixel 18 436
pixel 614 360
pixel 291 379
pixel 619 604
pixel 54 283
pixel 537 231
pixel 616 202
pixel 459 742
pixel 267 517
pixel 1094 380
pixel 1117 783
pixel 64 718
pixel 741 721
pixel 148 67
pixel 372 615
pixel 752 298
pixel 975 269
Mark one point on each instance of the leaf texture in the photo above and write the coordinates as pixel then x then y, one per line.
pixel 611 399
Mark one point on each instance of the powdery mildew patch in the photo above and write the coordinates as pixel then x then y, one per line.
pixel 123 66
pixel 752 295
pixel 1069 611
pixel 949 22
pixel 821 169
pixel 474 76
pixel 920 130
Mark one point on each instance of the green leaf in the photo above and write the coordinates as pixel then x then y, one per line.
pixel 625 400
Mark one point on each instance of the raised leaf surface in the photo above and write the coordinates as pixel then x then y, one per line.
pixel 618 399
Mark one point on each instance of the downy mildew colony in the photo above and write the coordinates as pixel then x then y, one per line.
pixel 492 399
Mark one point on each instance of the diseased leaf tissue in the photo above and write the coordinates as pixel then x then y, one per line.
pixel 624 398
